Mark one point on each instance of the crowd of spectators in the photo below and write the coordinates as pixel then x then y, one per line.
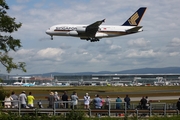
pixel 72 101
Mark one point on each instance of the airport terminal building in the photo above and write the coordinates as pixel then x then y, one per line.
pixel 119 79
pixel 98 79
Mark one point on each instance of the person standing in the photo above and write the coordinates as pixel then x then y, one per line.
pixel 15 100
pixel 51 100
pixel 178 104
pixel 30 99
pixel 97 102
pixel 127 100
pixel 86 101
pixel 23 99
pixel 147 104
pixel 102 102
pixel 7 101
pixel 107 101
pixel 118 103
pixel 56 98
pixel 143 103
pixel 65 99
pixel 74 99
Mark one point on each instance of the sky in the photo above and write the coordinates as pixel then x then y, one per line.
pixel 157 46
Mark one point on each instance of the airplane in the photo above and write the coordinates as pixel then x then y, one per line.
pixel 18 83
pixel 28 84
pixel 96 31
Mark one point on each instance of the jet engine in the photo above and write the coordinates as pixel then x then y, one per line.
pixel 73 33
pixel 81 29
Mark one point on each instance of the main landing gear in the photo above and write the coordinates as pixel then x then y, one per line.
pixel 92 39
pixel 51 37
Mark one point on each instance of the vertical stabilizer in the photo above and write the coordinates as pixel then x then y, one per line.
pixel 135 19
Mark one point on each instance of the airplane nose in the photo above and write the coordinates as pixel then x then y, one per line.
pixel 47 31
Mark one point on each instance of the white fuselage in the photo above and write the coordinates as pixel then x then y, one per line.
pixel 76 30
pixel 95 31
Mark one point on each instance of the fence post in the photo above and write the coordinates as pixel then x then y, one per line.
pixel 54 108
pixel 177 112
pixel 133 106
pixel 90 112
pixel 19 108
pixel 64 103
pixel 165 109
pixel 137 113
pixel 150 110
pixel 109 110
pixel 125 108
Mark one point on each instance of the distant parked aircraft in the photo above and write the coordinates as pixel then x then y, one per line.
pixel 18 83
pixel 96 31
pixel 28 84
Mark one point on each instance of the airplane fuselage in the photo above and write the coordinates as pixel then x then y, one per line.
pixel 96 31
pixel 76 30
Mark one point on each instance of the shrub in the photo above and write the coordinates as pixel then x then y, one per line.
pixel 75 115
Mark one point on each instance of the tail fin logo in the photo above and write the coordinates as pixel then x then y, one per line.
pixel 132 20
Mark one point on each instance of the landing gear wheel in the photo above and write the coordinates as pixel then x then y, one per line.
pixel 94 40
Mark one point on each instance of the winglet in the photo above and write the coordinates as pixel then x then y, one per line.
pixel 100 22
pixel 135 19
pixel 103 20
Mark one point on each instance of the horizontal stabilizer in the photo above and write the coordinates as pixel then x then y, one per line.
pixel 134 29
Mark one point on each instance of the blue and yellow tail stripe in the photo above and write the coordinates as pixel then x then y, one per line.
pixel 135 19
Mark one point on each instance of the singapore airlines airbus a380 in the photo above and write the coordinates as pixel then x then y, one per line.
pixel 96 31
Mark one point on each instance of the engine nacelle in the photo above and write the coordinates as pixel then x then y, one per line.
pixel 73 33
pixel 100 35
pixel 81 29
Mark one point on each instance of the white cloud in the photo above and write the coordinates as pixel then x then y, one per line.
pixel 143 54
pixel 50 53
pixel 23 55
pixel 94 60
pixel 30 55
pixel 98 59
pixel 174 54
pixel 175 42
pixel 115 47
pixel 138 42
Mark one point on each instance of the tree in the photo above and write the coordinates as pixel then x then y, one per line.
pixel 8 43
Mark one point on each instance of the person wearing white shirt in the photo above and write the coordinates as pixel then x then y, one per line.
pixel 23 99
pixel 86 101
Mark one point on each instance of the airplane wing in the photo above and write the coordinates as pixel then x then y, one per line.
pixel 134 29
pixel 93 28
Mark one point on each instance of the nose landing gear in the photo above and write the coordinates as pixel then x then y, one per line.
pixel 51 37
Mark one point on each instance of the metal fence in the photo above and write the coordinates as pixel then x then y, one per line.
pixel 61 107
